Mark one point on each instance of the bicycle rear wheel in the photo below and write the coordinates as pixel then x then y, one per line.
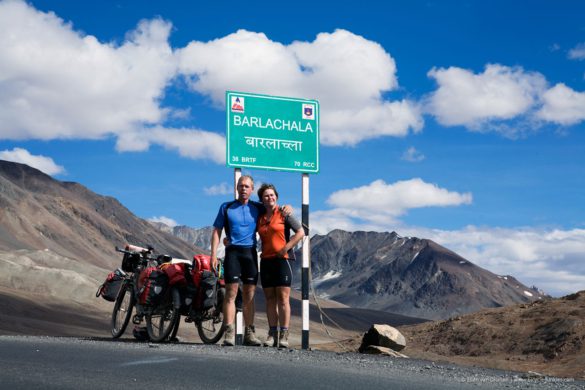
pixel 161 320
pixel 210 328
pixel 122 310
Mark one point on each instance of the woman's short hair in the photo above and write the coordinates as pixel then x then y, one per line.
pixel 264 187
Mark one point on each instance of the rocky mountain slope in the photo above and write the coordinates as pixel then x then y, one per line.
pixel 55 235
pixel 407 275
pixel 200 238
pixel 546 336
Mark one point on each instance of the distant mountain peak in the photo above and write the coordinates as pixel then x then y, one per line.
pixel 406 275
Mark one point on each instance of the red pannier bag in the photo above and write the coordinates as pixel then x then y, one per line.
pixel 152 283
pixel 205 280
pixel 175 273
pixel 200 263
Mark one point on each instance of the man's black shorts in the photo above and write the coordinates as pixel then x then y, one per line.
pixel 275 272
pixel 240 263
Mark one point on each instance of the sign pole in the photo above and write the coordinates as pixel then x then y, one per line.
pixel 239 316
pixel 306 262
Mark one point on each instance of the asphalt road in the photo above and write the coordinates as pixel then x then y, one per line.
pixel 73 363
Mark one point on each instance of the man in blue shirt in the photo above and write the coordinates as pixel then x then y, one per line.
pixel 239 218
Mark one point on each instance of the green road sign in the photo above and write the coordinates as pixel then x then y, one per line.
pixel 271 132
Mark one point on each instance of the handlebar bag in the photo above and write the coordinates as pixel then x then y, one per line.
pixel 130 261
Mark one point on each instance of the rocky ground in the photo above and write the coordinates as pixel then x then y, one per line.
pixel 546 337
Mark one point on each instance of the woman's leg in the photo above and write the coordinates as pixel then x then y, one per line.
pixel 283 299
pixel 271 302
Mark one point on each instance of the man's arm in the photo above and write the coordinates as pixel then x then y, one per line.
pixel 215 235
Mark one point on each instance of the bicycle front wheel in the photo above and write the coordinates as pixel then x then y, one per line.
pixel 210 328
pixel 161 320
pixel 122 310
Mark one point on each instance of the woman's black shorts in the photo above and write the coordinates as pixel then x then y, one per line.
pixel 276 272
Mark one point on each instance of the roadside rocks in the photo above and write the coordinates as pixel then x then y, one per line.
pixel 383 340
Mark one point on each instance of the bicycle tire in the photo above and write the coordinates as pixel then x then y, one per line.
pixel 211 328
pixel 161 320
pixel 122 310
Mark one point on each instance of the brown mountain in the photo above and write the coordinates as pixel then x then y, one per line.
pixel 39 212
pixel 57 238
pixel 407 275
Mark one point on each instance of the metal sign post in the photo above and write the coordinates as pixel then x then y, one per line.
pixel 276 133
pixel 239 315
pixel 306 263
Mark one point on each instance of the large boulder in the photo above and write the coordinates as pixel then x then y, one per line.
pixel 383 336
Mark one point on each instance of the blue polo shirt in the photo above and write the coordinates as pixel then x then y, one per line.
pixel 242 219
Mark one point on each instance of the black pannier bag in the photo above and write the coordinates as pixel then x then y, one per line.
pixel 111 287
pixel 207 290
pixel 130 261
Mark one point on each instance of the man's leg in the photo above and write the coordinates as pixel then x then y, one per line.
pixel 250 338
pixel 229 312
pixel 248 309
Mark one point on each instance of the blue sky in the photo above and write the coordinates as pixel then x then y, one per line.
pixel 458 121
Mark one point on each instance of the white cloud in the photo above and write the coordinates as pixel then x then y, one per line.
pixel 166 220
pixel 378 204
pixel 562 105
pixel 191 143
pixel 345 72
pixel 578 52
pixel 61 83
pixel 474 100
pixel 42 163
pixel 219 189
pixel 412 155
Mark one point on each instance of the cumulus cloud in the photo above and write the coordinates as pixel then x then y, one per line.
pixel 412 155
pixel 562 105
pixel 578 52
pixel 507 100
pixel 191 143
pixel 166 220
pixel 42 163
pixel 377 204
pixel 345 72
pixel 219 189
pixel 61 83
pixel 474 100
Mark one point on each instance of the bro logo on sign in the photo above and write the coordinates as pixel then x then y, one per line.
pixel 308 111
